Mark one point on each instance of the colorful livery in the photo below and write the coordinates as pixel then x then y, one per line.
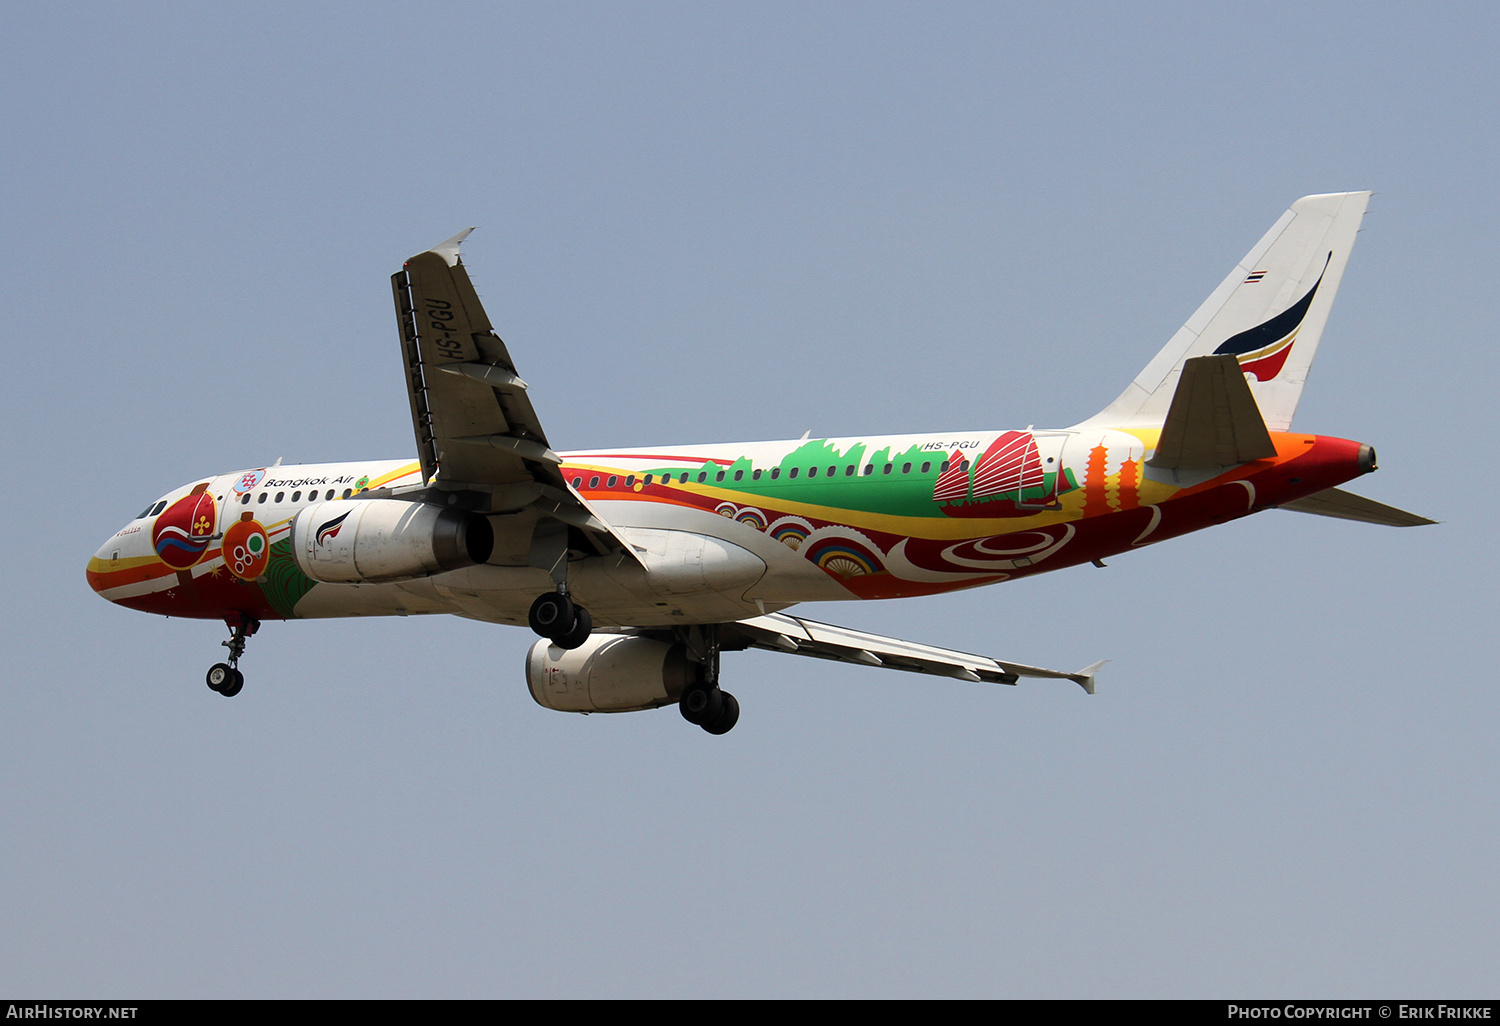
pixel 638 567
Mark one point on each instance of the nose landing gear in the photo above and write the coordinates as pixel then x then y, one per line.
pixel 226 678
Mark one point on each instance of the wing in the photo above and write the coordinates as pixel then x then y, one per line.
pixel 478 437
pixel 777 632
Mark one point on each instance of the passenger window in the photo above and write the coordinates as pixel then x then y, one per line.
pixel 739 475
pixel 832 471
pixel 578 482
pixel 776 472
pixel 630 481
pixel 280 496
pixel 594 481
pixel 647 481
pixel 812 471
pixel 906 468
pixel 262 497
pixel 245 499
pixel 297 496
pixel 943 467
pixel 926 467
pixel 347 492
pixel 792 472
pixel 614 479
pixel 702 476
pixel 891 466
pixel 849 470
pixel 719 476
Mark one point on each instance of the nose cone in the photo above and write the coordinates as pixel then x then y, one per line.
pixel 150 563
pixel 119 561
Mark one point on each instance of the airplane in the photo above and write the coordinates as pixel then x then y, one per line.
pixel 638 567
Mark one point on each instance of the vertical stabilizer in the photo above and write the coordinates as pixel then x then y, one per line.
pixel 1268 313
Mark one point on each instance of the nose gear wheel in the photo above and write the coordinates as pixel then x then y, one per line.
pixel 226 678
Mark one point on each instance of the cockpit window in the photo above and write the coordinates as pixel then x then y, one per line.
pixel 153 510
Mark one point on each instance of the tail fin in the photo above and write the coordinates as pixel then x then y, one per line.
pixel 1269 314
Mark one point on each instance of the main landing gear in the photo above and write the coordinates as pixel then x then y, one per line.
pixel 226 678
pixel 704 703
pixel 554 616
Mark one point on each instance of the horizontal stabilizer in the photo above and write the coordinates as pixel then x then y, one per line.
pixel 1335 502
pixel 778 632
pixel 1213 420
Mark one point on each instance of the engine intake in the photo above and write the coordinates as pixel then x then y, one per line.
pixel 608 673
pixel 366 541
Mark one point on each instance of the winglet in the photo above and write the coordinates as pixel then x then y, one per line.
pixel 1085 677
pixel 448 249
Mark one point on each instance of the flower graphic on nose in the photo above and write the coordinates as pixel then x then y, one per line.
pixel 182 533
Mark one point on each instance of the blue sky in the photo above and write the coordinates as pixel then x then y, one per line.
pixel 716 222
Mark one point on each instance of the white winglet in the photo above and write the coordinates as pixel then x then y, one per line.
pixel 1085 676
pixel 448 250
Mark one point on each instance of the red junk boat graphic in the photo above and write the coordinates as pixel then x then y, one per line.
pixel 1007 481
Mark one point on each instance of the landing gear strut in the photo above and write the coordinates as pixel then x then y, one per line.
pixel 226 678
pixel 704 703
pixel 555 617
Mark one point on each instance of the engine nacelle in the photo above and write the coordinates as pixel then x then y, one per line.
pixel 608 673
pixel 365 541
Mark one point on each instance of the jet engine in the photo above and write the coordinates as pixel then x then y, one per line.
pixel 364 541
pixel 608 673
